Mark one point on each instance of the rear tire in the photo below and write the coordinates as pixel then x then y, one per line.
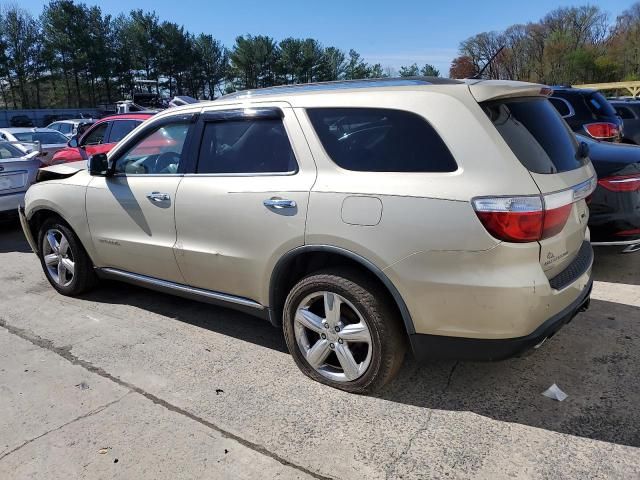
pixel 64 260
pixel 358 346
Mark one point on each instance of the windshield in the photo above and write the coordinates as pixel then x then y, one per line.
pixel 44 138
pixel 9 151
pixel 536 134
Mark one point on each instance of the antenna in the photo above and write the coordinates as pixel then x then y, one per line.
pixel 478 75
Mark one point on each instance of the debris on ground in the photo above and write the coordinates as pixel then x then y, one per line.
pixel 555 393
pixel 102 451
pixel 219 391
pixel 83 386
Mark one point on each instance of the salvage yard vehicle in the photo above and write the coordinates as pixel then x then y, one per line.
pixel 614 207
pixel 71 127
pixel 17 172
pixel 47 142
pixel 352 214
pixel 101 137
pixel 587 112
pixel 629 112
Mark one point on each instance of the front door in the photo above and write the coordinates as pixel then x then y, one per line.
pixel 245 204
pixel 131 214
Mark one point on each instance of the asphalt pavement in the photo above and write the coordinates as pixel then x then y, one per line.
pixel 129 383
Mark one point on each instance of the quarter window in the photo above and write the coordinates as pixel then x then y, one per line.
pixel 624 112
pixel 246 146
pixel 159 152
pixel 380 140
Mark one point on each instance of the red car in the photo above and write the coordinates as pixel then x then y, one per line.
pixel 101 137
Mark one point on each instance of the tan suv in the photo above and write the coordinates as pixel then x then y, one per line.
pixel 362 217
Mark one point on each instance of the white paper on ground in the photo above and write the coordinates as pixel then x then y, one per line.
pixel 555 393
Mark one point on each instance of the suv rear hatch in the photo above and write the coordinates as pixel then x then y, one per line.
pixel 548 149
pixel 17 174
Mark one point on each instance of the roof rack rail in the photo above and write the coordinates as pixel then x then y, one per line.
pixel 342 85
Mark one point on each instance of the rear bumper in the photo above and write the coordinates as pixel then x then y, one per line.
pixel 458 348
pixel 11 201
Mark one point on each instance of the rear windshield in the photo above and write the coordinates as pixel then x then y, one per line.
pixel 46 138
pixel 599 105
pixel 536 134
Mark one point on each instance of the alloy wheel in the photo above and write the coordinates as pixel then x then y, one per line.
pixel 58 257
pixel 333 336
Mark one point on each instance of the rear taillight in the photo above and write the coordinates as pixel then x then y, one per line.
pixel 621 183
pixel 602 130
pixel 529 218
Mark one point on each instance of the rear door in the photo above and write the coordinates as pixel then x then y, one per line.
pixel 245 204
pixel 545 145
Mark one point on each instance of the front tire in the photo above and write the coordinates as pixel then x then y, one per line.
pixel 64 260
pixel 342 331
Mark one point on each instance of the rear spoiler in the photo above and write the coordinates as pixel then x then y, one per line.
pixel 485 90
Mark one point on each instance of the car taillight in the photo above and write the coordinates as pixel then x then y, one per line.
pixel 529 218
pixel 602 130
pixel 621 183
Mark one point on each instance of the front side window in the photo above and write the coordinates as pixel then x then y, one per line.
pixel 96 136
pixel 246 146
pixel 121 129
pixel 158 152
pixel 380 140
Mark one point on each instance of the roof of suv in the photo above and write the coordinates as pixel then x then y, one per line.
pixel 341 85
pixel 129 116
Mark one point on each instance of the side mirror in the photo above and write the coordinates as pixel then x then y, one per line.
pixel 98 165
pixel 73 142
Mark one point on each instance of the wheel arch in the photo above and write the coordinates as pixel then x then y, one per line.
pixel 305 259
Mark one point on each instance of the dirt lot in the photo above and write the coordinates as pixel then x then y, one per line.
pixel 128 383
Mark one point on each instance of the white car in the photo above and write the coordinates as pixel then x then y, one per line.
pixel 72 127
pixel 17 172
pixel 28 140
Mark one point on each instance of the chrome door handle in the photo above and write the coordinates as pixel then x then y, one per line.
pixel 279 203
pixel 158 197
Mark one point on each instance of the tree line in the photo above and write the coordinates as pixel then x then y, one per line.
pixel 74 55
pixel 569 45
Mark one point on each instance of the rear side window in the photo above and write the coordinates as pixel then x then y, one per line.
pixel 380 140
pixel 246 146
pixel 121 129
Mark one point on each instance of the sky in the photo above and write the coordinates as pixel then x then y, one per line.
pixel 392 33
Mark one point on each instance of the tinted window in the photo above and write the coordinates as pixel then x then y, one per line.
pixel 536 134
pixel 96 136
pixel 45 138
pixel 246 146
pixel 65 128
pixel 158 152
pixel 9 151
pixel 561 106
pixel 121 128
pixel 380 140
pixel 599 105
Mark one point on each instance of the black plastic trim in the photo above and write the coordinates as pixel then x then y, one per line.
pixel 288 257
pixel 260 113
pixel 426 347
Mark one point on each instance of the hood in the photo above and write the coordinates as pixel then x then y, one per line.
pixel 61 170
